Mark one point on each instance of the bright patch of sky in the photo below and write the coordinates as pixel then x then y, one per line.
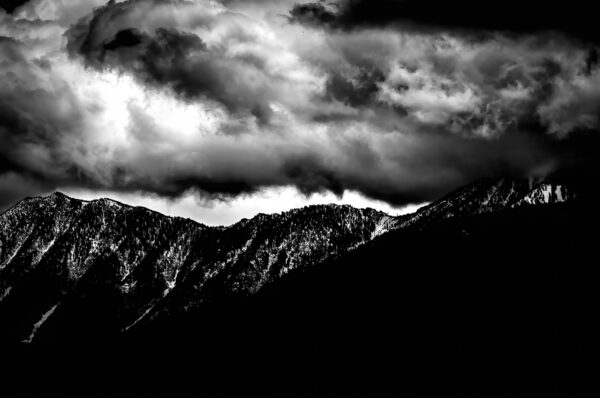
pixel 216 212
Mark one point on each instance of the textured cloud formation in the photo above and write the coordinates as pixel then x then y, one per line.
pixel 226 98
pixel 200 50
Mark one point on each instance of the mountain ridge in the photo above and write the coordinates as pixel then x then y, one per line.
pixel 56 240
pixel 55 250
pixel 490 195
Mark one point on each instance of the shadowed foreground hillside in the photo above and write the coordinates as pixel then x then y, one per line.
pixel 467 306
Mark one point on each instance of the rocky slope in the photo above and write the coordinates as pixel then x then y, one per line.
pixel 55 251
pixel 489 196
pixel 69 266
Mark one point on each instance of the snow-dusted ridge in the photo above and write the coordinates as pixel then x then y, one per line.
pixel 155 258
pixel 489 196
pixel 158 263
pixel 39 323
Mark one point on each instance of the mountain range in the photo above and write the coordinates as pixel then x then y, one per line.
pixel 319 301
pixel 109 265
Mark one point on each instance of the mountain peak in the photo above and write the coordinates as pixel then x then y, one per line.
pixel 490 195
pixel 111 203
pixel 57 194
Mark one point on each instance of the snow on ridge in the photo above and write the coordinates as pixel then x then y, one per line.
pixel 309 234
pixel 546 193
pixel 41 252
pixel 39 323
pixel 383 225
pixel 559 194
pixel 144 314
pixel 111 203
pixel 5 293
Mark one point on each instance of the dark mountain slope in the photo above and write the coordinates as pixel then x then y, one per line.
pixel 57 252
pixel 53 251
pixel 513 289
pixel 49 244
pixel 422 308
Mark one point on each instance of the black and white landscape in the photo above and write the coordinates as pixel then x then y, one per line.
pixel 336 296
pixel 315 198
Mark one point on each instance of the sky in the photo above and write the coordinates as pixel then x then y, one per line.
pixel 220 109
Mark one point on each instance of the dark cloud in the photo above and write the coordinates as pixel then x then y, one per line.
pixel 180 61
pixel 123 39
pixel 576 18
pixel 316 14
pixel 471 88
pixel 11 5
pixel 35 117
pixel 591 61
pixel 163 97
pixel 168 57
pixel 354 91
pixel 44 138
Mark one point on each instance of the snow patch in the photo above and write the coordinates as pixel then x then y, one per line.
pixel 111 203
pixel 559 194
pixel 40 323
pixel 381 227
pixel 12 255
pixel 171 283
pixel 146 312
pixel 547 192
pixel 5 293
pixel 42 252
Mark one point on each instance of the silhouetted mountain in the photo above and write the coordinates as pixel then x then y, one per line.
pixel 464 306
pixel 57 253
pixel 114 265
pixel 325 300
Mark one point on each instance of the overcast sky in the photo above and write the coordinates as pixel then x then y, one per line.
pixel 217 110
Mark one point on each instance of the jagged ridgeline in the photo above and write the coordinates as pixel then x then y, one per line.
pixel 108 267
pixel 56 250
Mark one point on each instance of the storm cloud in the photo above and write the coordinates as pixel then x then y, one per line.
pixel 575 18
pixel 226 98
pixel 11 5
pixel 239 63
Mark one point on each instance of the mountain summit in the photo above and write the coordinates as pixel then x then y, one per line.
pixel 491 195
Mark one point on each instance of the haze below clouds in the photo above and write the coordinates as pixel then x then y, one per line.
pixel 223 213
pixel 218 110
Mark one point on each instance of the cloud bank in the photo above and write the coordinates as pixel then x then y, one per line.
pixel 227 98
pixel 575 18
